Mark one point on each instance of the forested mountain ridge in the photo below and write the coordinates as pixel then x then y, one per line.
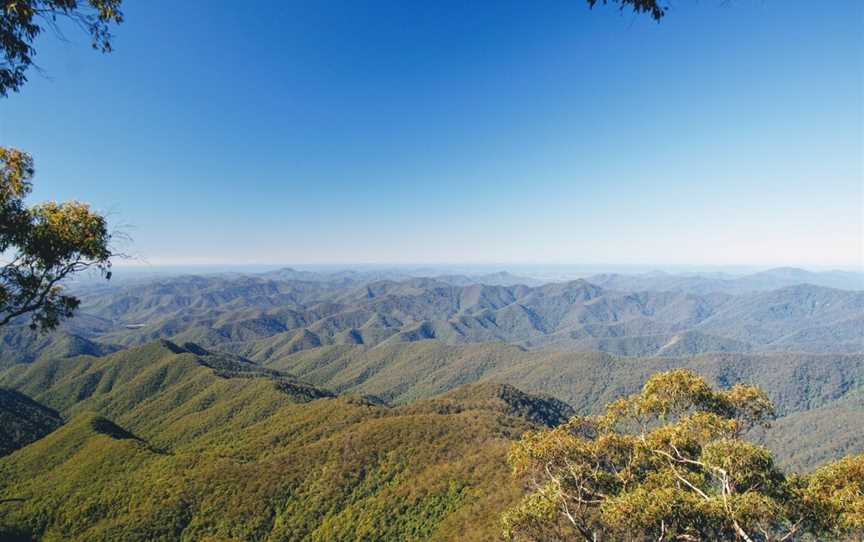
pixel 264 318
pixel 176 442
pixel 803 386
pixel 159 444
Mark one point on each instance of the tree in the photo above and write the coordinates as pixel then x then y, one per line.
pixel 48 243
pixel 22 21
pixel 669 463
pixel 42 246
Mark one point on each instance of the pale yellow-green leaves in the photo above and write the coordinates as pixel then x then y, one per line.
pixel 16 171
pixel 43 245
pixel 535 511
pixel 66 230
pixel 839 487
pixel 670 462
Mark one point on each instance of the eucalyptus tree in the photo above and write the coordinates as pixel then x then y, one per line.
pixel 22 21
pixel 671 463
pixel 44 244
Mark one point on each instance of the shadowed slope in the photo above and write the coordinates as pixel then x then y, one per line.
pixel 23 420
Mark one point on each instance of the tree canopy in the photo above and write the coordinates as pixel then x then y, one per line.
pixel 42 245
pixel 670 463
pixel 22 21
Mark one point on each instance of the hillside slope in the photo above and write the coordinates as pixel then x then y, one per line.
pixel 161 445
pixel 404 372
pixel 23 420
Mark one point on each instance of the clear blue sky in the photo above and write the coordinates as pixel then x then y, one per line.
pixel 392 131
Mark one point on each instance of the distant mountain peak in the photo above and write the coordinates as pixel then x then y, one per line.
pixel 794 271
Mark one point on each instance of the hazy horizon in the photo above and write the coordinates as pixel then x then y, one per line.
pixel 474 268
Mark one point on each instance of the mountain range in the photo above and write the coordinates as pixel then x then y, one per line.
pixel 704 283
pixel 354 407
pixel 262 317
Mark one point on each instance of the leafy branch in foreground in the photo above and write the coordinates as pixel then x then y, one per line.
pixel 670 463
pixel 21 22
pixel 42 246
pixel 652 7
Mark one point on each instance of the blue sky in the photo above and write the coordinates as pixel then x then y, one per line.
pixel 461 132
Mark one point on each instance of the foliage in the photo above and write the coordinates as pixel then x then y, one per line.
pixel 44 245
pixel 22 21
pixel 670 463
pixel 652 7
pixel 838 488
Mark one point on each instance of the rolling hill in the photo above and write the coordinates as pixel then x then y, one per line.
pixel 170 442
pixel 802 386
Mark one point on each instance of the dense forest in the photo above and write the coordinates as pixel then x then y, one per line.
pixel 165 442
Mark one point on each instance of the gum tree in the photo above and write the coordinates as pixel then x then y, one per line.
pixel 670 463
pixel 43 245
